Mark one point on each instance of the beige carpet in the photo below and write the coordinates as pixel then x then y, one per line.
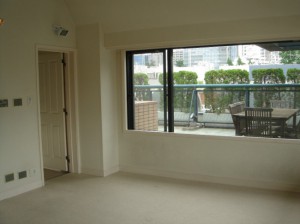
pixel 50 174
pixel 136 199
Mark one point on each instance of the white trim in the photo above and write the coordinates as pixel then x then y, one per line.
pixel 40 47
pixel 39 116
pixel 77 131
pixel 20 190
pixel 122 62
pixel 73 140
pixel 93 172
pixel 245 139
pixel 259 184
pixel 100 173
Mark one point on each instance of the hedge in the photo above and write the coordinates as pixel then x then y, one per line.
pixel 267 76
pixel 182 96
pixel 218 99
pixel 293 75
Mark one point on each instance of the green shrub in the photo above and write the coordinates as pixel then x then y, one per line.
pixel 293 75
pixel 182 96
pixel 140 79
pixel 262 97
pixel 218 99
pixel 268 76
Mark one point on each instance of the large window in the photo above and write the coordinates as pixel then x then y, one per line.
pixel 197 90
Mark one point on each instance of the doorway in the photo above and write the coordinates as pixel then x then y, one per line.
pixel 56 113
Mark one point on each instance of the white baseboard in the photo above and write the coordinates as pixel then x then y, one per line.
pixel 100 173
pixel 20 190
pixel 111 170
pixel 93 172
pixel 267 185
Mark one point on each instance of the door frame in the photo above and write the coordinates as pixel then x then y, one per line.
pixel 71 97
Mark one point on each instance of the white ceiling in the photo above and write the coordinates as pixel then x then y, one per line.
pixel 123 15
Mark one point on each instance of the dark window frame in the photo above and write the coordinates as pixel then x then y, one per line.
pixel 168 86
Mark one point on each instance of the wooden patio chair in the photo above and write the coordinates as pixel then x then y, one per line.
pixel 239 125
pixel 259 122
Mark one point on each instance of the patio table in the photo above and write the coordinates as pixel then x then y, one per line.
pixel 279 115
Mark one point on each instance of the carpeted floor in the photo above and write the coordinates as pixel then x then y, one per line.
pixel 50 174
pixel 124 198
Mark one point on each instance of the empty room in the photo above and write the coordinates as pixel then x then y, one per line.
pixel 149 111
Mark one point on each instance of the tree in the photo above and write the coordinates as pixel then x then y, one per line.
pixel 290 57
pixel 141 79
pixel 250 62
pixel 179 63
pixel 229 62
pixel 240 62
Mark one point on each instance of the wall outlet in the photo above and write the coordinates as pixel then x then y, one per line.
pixel 9 177
pixel 3 102
pixel 18 102
pixel 22 174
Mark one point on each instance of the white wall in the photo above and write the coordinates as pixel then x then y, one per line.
pixel 27 24
pixel 98 113
pixel 89 98
pixel 238 161
pixel 197 34
pixel 110 109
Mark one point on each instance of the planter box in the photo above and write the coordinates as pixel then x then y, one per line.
pixel 146 115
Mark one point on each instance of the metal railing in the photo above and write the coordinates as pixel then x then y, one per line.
pixel 217 97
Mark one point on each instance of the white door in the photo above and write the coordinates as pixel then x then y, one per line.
pixel 52 110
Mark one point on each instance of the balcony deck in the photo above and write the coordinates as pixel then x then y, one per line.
pixel 197 130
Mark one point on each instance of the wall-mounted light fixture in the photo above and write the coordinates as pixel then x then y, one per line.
pixel 1 21
pixel 60 31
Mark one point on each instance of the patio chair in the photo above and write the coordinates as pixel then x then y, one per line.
pixel 259 122
pixel 239 125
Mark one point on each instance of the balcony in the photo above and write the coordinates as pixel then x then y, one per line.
pixel 203 109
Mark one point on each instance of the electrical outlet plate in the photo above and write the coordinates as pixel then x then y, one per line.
pixel 22 174
pixel 18 102
pixel 3 102
pixel 9 177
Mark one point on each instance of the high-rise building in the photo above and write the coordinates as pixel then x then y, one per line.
pixel 177 55
pixel 151 59
pixel 209 55
pixel 257 55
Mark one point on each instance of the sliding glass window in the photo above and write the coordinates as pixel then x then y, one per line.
pixel 207 90
pixel 148 91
